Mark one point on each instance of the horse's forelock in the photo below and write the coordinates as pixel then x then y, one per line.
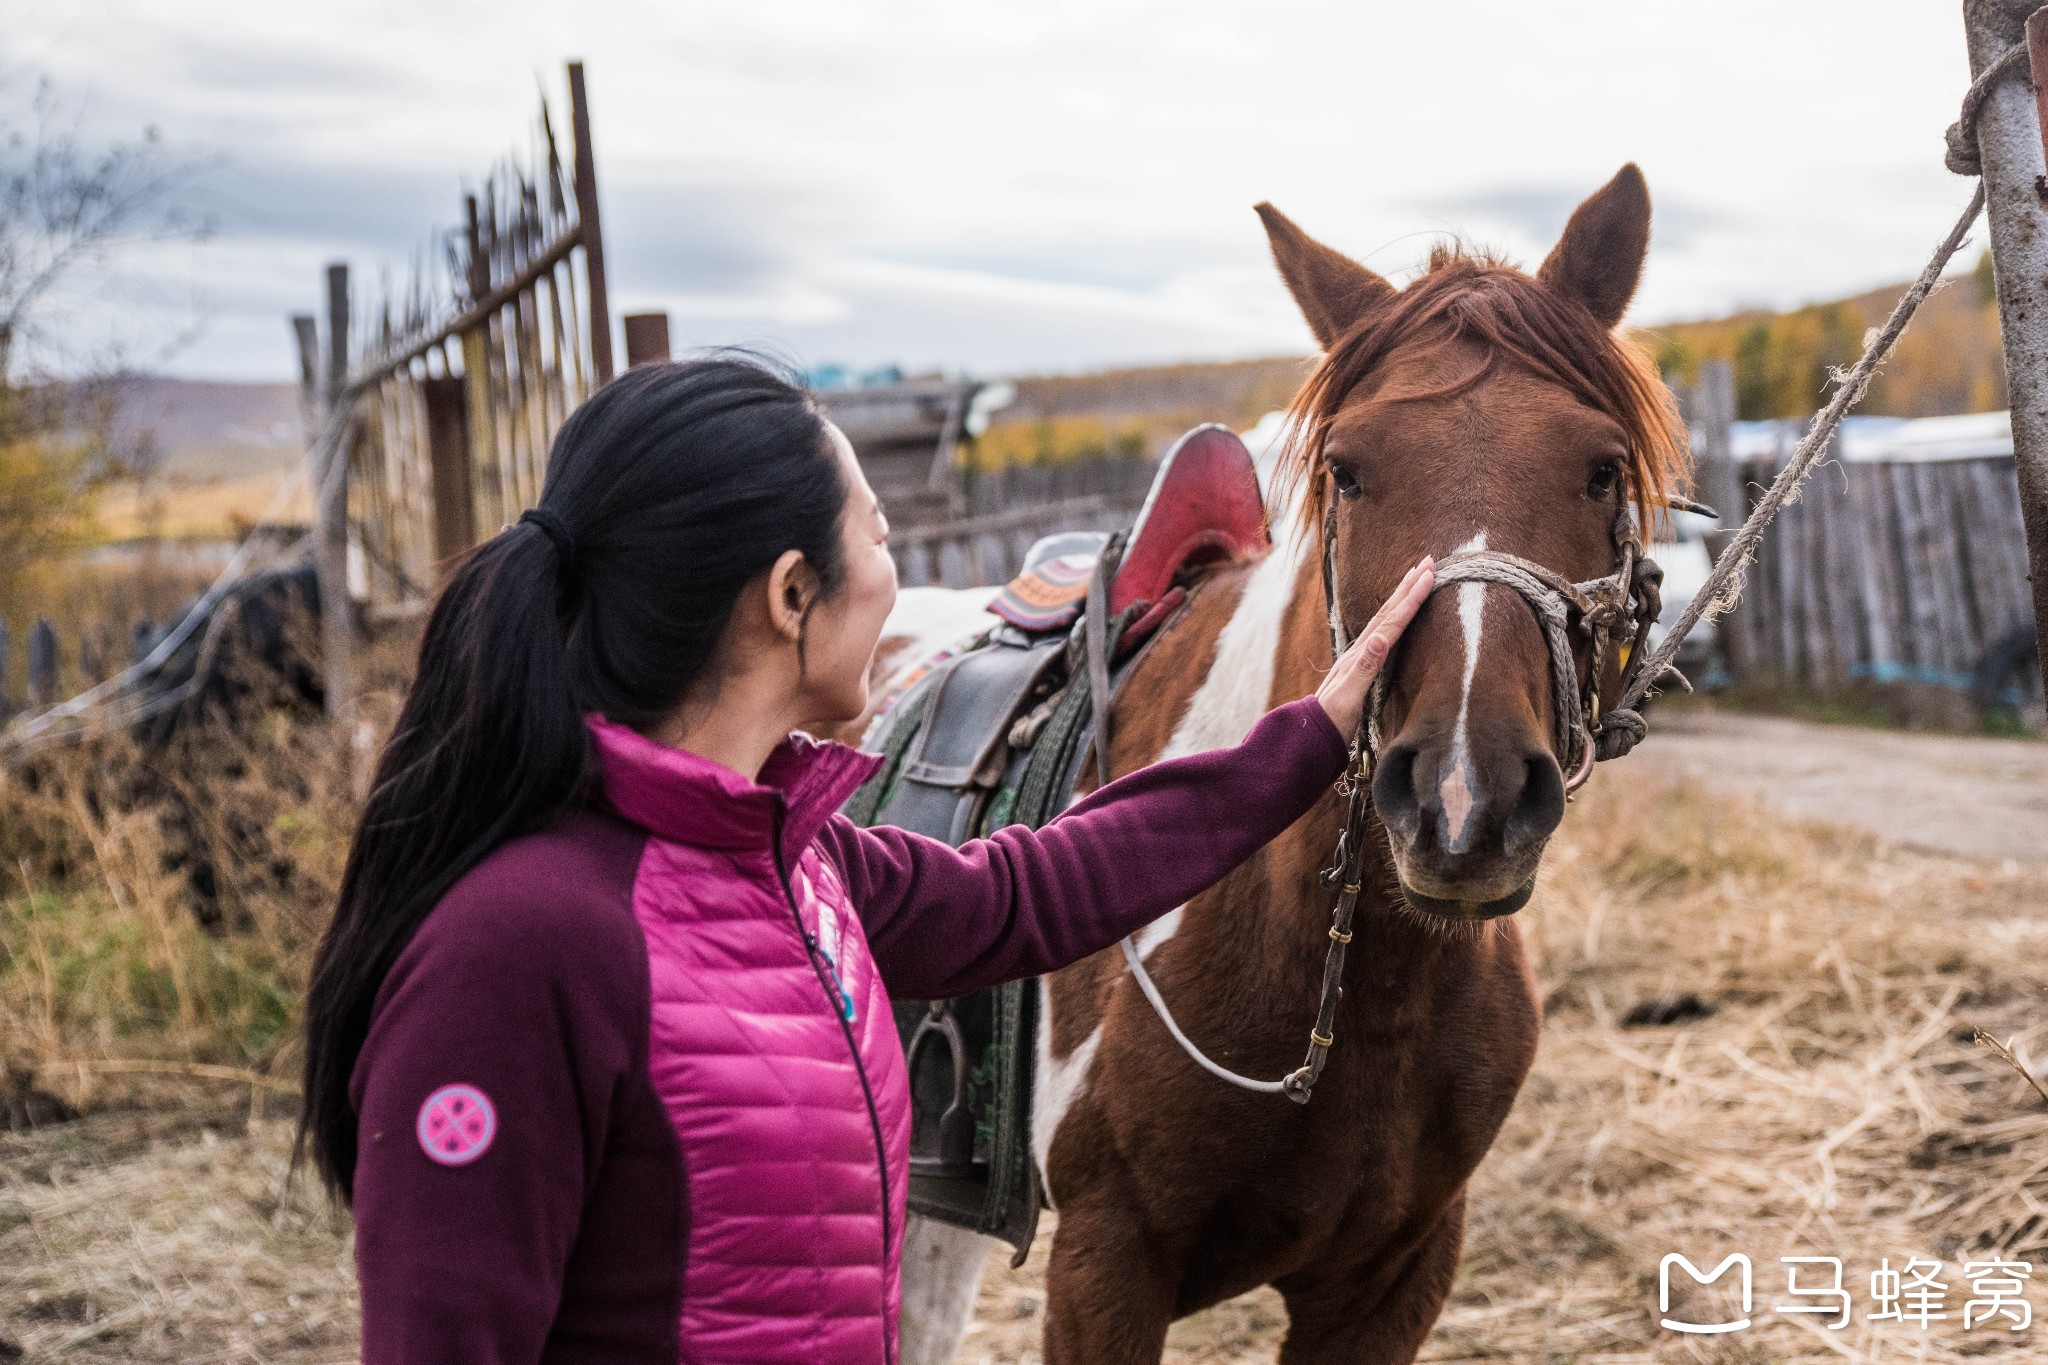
pixel 1471 296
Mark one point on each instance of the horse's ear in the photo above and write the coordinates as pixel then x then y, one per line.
pixel 1599 259
pixel 1332 290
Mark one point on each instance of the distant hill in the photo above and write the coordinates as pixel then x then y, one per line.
pixel 219 454
pixel 204 431
pixel 1947 362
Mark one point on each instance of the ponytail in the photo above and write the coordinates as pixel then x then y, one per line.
pixel 665 495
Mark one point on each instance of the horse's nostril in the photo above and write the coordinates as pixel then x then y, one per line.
pixel 1539 809
pixel 1394 795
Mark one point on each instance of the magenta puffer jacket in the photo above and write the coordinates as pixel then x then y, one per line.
pixel 633 1092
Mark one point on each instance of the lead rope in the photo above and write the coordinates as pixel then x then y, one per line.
pixel 1345 874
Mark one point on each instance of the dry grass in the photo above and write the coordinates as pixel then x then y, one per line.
pixel 169 1237
pixel 159 904
pixel 104 963
pixel 1832 1103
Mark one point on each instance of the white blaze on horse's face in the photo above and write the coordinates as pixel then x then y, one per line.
pixel 1459 779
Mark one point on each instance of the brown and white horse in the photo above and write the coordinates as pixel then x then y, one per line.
pixel 1479 407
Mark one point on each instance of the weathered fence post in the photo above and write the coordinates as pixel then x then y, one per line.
pixel 448 461
pixel 2010 138
pixel 42 665
pixel 592 229
pixel 646 338
pixel 330 459
pixel 1724 488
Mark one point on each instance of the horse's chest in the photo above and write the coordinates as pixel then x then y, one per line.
pixel 1425 1071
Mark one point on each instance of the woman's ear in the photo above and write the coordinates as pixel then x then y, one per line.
pixel 792 589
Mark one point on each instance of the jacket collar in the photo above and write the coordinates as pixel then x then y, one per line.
pixel 689 799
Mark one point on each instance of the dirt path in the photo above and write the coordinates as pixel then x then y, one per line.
pixel 1984 798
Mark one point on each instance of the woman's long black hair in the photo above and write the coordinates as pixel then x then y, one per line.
pixel 665 495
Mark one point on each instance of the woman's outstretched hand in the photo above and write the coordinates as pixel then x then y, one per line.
pixel 1344 687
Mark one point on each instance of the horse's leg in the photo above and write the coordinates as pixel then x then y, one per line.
pixel 941 1271
pixel 1325 1323
pixel 1109 1298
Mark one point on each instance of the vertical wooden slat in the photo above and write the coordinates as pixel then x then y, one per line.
pixel 448 451
pixel 646 338
pixel 592 228
pixel 476 375
pixel 331 471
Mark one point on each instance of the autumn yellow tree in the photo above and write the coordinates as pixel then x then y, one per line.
pixel 1948 361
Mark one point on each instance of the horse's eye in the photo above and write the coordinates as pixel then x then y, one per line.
pixel 1346 481
pixel 1603 481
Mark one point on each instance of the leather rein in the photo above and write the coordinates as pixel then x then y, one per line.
pixel 1617 608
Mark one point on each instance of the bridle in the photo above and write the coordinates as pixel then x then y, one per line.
pixel 1617 609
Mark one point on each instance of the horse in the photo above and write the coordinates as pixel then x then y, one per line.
pixel 1478 410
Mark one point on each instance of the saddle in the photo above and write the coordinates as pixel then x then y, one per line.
pixel 999 734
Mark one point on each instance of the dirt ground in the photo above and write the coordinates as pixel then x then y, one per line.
pixel 1825 1098
pixel 1981 797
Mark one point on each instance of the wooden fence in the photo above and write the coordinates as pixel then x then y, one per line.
pixel 457 389
pixel 1901 575
pixel 1884 572
pixel 1011 508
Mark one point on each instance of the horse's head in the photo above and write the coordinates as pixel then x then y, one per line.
pixel 1479 408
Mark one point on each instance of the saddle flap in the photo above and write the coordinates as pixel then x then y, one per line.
pixel 1204 505
pixel 977 697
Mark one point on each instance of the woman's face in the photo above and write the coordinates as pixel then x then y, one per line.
pixel 840 638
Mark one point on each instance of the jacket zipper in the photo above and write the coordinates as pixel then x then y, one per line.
pixel 842 1010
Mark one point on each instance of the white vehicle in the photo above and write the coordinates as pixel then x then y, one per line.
pixel 1684 557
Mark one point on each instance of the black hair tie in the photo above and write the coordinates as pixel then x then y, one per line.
pixel 553 528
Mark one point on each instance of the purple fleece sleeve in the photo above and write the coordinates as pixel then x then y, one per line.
pixel 499 1045
pixel 944 921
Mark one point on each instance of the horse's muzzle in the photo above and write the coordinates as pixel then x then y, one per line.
pixel 1467 830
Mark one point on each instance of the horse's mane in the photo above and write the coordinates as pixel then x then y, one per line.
pixel 1470 296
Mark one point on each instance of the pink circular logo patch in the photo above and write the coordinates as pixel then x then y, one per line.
pixel 457 1124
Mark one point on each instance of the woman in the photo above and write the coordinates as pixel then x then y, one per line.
pixel 599 1043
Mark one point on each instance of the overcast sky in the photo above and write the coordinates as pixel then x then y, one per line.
pixel 1004 187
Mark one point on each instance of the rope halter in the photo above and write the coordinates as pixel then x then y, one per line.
pixel 1619 607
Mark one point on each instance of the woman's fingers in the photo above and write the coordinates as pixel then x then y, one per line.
pixel 1394 615
pixel 1345 686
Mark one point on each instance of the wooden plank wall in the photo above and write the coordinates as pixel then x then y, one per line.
pixel 1886 574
